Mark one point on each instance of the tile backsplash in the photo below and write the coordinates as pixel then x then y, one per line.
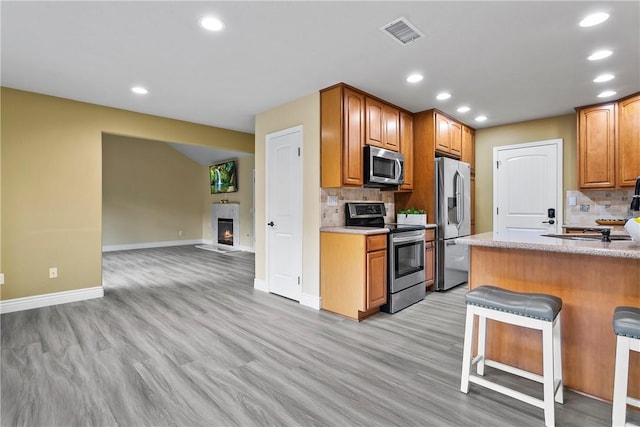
pixel 596 204
pixel 333 216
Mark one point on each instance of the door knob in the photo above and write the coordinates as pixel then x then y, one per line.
pixel 551 221
pixel 270 224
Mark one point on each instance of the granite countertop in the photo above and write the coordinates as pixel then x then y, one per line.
pixel 616 248
pixel 362 230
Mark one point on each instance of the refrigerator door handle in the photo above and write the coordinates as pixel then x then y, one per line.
pixel 460 197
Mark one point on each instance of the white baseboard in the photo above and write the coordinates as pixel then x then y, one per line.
pixel 149 245
pixel 260 285
pixel 37 301
pixel 309 300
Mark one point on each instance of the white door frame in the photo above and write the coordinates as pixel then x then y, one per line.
pixel 299 210
pixel 558 142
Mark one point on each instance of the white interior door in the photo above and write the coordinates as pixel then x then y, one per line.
pixel 284 212
pixel 527 182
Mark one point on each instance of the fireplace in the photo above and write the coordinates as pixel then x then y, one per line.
pixel 225 231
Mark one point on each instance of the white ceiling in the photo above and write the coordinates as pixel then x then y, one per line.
pixel 511 61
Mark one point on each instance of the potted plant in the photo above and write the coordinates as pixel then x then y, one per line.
pixel 412 216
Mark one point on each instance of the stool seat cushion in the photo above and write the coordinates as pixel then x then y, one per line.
pixel 626 322
pixel 537 306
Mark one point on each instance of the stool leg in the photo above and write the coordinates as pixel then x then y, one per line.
pixel 557 358
pixel 482 340
pixel 547 373
pixel 467 350
pixel 619 410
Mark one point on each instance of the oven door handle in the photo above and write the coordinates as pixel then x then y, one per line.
pixel 409 239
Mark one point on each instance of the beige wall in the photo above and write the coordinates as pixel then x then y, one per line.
pixel 150 192
pixel 306 112
pixel 52 184
pixel 535 130
pixel 244 196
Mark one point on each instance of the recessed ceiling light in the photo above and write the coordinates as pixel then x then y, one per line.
pixel 606 93
pixel 481 118
pixel 594 19
pixel 212 24
pixel 599 55
pixel 463 109
pixel 139 90
pixel 604 78
pixel 415 78
pixel 443 95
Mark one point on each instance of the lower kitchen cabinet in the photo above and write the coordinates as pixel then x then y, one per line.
pixel 353 273
pixel 430 257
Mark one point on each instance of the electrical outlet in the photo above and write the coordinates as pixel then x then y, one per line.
pixel 1 278
pixel 179 232
pixel 332 200
pixel 53 273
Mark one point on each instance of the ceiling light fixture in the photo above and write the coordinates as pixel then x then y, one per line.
pixel 463 109
pixel 139 90
pixel 606 93
pixel 594 19
pixel 212 24
pixel 599 55
pixel 481 118
pixel 415 78
pixel 604 78
pixel 443 95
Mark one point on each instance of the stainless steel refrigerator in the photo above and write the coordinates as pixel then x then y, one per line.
pixel 453 209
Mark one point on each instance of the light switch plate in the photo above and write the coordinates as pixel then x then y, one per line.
pixel 573 201
pixel 332 200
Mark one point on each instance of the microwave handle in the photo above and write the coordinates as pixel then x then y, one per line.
pixel 398 169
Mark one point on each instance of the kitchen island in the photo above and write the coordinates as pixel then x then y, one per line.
pixel 591 277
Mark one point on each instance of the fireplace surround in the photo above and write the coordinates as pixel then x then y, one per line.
pixel 225 211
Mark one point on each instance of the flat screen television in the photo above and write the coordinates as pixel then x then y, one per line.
pixel 223 177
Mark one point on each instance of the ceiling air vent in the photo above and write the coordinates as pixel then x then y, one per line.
pixel 402 31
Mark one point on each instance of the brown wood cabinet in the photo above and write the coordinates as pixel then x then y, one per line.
pixel 448 136
pixel 430 257
pixel 382 124
pixel 406 148
pixel 468 147
pixel 608 144
pixel 431 133
pixel 628 141
pixel 342 135
pixel 353 273
pixel 596 146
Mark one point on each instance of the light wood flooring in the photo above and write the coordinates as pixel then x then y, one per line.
pixel 182 338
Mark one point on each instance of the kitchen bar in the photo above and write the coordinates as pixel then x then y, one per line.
pixel 591 277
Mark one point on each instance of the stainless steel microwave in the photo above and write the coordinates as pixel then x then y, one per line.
pixel 382 168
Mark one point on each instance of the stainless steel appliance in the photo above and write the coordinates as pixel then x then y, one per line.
pixel 405 254
pixel 382 168
pixel 453 203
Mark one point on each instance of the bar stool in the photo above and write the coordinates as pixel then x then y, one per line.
pixel 535 311
pixel 626 325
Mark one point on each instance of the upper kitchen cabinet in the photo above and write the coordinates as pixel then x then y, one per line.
pixel 596 146
pixel 608 144
pixel 628 141
pixel 448 136
pixel 406 148
pixel 468 147
pixel 432 132
pixel 382 125
pixel 342 134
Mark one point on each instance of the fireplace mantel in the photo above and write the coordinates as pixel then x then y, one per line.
pixel 225 210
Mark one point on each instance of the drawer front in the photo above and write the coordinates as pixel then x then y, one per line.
pixel 376 242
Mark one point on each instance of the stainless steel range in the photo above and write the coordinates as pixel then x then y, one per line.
pixel 405 254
